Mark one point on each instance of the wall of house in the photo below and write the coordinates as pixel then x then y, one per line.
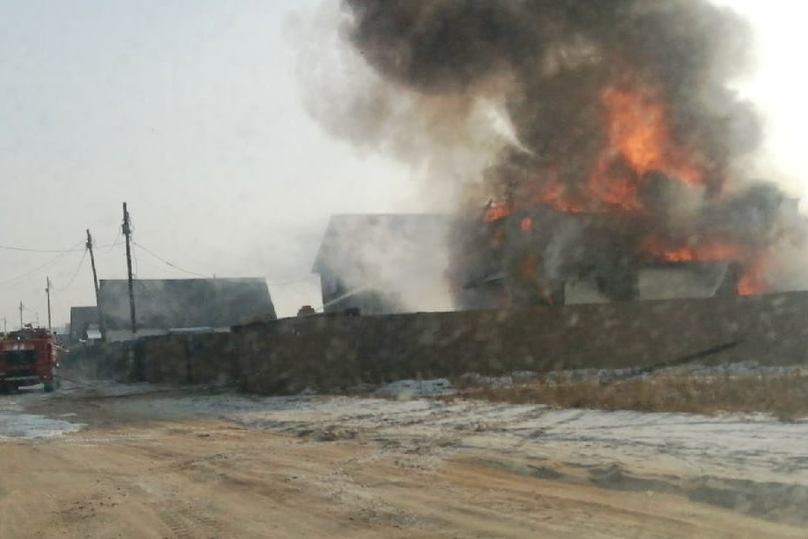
pixel 331 352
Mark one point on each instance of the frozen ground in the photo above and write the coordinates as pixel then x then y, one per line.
pixel 16 424
pixel 404 389
pixel 733 446
pixel 168 462
pixel 735 370
pixel 753 447
pixel 752 463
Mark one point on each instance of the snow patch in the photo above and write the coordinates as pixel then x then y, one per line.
pixel 409 389
pixel 739 369
pixel 15 425
pixel 739 446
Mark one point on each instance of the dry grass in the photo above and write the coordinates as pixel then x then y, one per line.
pixel 784 396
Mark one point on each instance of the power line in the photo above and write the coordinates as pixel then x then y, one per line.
pixel 166 262
pixel 62 251
pixel 43 266
pixel 110 247
pixel 75 273
pixel 32 250
pixel 136 266
pixel 114 242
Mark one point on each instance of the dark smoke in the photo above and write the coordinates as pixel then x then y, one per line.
pixel 559 54
pixel 549 62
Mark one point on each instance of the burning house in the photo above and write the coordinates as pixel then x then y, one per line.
pixel 627 158
pixel 543 255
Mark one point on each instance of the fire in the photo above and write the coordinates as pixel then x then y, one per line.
pixel 553 194
pixel 753 262
pixel 713 251
pixel 496 211
pixel 618 192
pixel 639 133
pixel 528 268
pixel 638 141
pixel 753 282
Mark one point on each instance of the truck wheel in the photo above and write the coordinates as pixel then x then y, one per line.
pixel 49 387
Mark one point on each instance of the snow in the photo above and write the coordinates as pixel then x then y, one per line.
pixel 14 424
pixel 733 446
pixel 739 369
pixel 114 389
pixel 754 447
pixel 29 426
pixel 17 424
pixel 407 389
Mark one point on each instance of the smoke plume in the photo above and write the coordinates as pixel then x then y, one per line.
pixel 612 139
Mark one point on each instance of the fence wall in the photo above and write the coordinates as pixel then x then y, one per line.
pixel 331 352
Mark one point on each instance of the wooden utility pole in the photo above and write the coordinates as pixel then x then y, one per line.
pixel 127 231
pixel 21 324
pixel 47 292
pixel 101 326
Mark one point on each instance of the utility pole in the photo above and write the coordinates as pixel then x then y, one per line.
pixel 127 231
pixel 101 327
pixel 21 324
pixel 5 326
pixel 47 292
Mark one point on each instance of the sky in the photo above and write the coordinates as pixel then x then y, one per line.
pixel 191 111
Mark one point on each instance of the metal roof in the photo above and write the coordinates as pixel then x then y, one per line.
pixel 185 303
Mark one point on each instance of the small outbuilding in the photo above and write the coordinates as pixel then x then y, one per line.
pixel 164 306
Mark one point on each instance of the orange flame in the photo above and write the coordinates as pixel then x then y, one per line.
pixel 638 142
pixel 496 211
pixel 640 134
pixel 713 251
pixel 553 194
pixel 753 281
pixel 754 262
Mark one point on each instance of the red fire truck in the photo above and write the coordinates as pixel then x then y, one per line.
pixel 27 357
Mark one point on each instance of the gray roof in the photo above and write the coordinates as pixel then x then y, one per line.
pixel 80 319
pixel 349 237
pixel 185 303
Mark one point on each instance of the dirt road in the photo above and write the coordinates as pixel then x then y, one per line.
pixel 143 466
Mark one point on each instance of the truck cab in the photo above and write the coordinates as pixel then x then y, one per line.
pixel 27 357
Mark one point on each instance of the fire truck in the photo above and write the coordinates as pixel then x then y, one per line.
pixel 27 357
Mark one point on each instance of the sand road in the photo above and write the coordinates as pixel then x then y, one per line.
pixel 141 466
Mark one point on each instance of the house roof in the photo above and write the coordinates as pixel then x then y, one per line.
pixel 349 237
pixel 81 318
pixel 184 303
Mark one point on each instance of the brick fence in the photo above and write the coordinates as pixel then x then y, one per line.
pixel 323 353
